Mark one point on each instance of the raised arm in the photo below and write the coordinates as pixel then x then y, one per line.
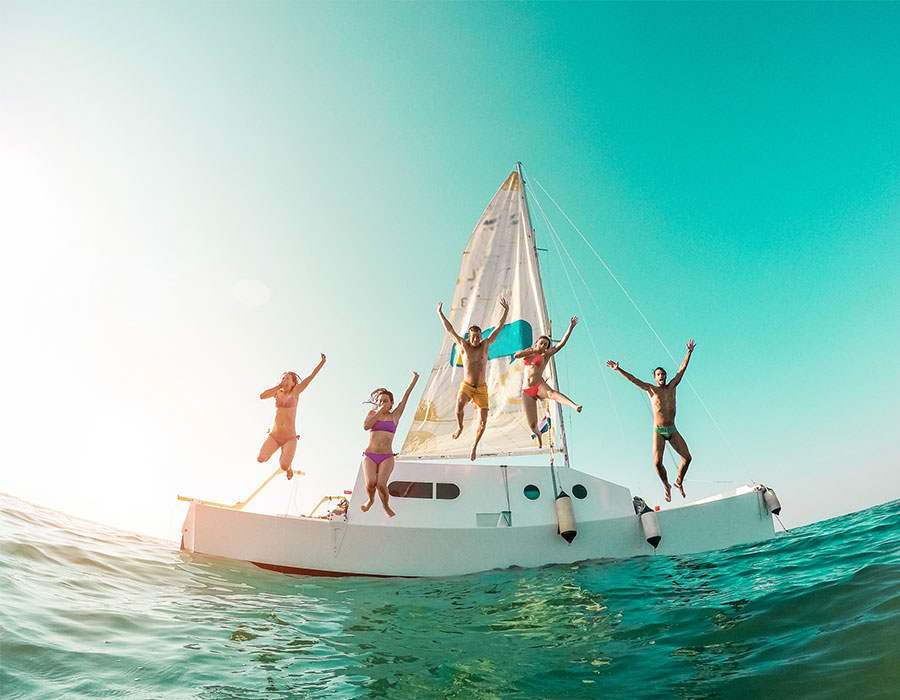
pixel 447 326
pixel 527 352
pixel 305 383
pixel 684 363
pixel 565 338
pixel 397 412
pixel 630 377
pixel 493 336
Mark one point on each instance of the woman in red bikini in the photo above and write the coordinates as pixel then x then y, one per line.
pixel 534 387
pixel 378 459
pixel 284 432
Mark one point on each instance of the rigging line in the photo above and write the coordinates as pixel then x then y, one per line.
pixel 649 325
pixel 603 262
pixel 673 460
pixel 554 237
pixel 581 277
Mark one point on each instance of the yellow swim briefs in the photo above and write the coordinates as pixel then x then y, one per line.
pixel 478 394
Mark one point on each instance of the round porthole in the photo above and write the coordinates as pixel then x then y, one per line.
pixel 579 491
pixel 532 492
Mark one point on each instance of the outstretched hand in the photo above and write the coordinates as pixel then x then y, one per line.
pixel 690 345
pixel 504 303
pixel 323 357
pixel 612 364
pixel 440 307
pixel 415 375
pixel 573 321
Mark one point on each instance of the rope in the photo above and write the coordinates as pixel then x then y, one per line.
pixel 641 313
pixel 554 237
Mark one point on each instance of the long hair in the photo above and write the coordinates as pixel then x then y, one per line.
pixel 294 375
pixel 373 397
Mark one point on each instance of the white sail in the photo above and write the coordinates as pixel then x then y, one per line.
pixel 500 260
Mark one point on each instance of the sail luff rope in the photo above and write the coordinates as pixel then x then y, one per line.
pixel 554 237
pixel 649 325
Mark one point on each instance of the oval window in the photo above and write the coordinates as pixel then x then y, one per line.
pixel 446 492
pixel 579 491
pixel 532 492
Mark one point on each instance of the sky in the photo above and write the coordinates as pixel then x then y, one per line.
pixel 198 196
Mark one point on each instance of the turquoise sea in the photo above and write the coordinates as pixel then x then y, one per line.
pixel 91 612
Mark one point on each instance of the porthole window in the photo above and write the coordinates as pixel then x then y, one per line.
pixel 446 492
pixel 532 492
pixel 411 489
pixel 579 491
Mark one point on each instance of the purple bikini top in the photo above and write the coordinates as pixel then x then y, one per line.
pixel 388 426
pixel 289 402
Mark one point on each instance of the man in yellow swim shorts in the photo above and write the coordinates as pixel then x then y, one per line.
pixel 474 355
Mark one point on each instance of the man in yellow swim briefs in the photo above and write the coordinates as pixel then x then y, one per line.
pixel 475 356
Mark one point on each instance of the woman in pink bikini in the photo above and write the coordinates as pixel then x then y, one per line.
pixel 534 387
pixel 284 432
pixel 378 459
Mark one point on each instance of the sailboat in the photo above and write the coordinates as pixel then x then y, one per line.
pixel 454 516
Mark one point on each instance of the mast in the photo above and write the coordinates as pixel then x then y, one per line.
pixel 545 319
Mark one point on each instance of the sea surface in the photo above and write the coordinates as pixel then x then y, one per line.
pixel 91 612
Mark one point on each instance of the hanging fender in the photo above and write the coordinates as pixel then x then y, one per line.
pixel 771 500
pixel 649 521
pixel 565 517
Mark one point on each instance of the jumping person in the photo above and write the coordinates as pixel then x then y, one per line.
pixel 662 400
pixel 378 459
pixel 283 434
pixel 534 386
pixel 474 351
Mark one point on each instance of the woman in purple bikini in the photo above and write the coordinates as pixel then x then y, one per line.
pixel 534 386
pixel 284 432
pixel 378 457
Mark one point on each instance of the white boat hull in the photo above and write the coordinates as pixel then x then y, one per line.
pixel 489 524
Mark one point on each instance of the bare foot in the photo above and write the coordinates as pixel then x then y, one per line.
pixel 538 436
pixel 578 408
pixel 365 506
pixel 677 485
pixel 288 472
pixel 457 433
pixel 390 513
pixel 472 456
pixel 668 493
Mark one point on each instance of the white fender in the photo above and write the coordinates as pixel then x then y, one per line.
pixel 650 525
pixel 771 501
pixel 649 521
pixel 565 517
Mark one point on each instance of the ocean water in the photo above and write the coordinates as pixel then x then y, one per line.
pixel 91 612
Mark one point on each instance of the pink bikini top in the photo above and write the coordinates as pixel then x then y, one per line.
pixel 289 402
pixel 533 360
pixel 387 426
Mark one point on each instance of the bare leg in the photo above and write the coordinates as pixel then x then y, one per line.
pixel 659 445
pixel 267 450
pixel 288 450
pixel 680 446
pixel 482 424
pixel 563 399
pixel 370 471
pixel 530 406
pixel 461 401
pixel 384 472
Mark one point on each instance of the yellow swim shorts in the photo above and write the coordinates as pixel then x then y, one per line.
pixel 478 394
